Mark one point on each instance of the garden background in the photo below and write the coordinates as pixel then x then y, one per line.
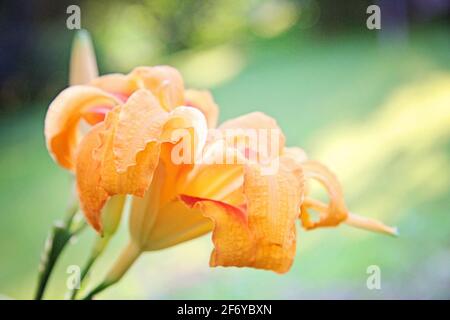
pixel 373 105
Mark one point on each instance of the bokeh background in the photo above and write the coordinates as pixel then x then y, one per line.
pixel 372 105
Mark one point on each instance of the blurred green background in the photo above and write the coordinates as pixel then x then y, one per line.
pixel 373 105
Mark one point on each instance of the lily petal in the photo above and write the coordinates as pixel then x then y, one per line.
pixel 97 177
pixel 234 242
pixel 117 84
pixel 337 211
pixel 137 177
pixel 176 223
pixel 145 210
pixel 295 153
pixel 130 143
pixel 203 100
pixel 88 177
pixel 255 133
pixel 272 203
pixel 186 126
pixel 262 235
pixel 64 115
pixel 140 121
pixel 164 82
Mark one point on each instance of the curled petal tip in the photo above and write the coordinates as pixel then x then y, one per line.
pixel 395 232
pixel 370 224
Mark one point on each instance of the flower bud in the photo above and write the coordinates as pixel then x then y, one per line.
pixel 83 65
pixel 111 214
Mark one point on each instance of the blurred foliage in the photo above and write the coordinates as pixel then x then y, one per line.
pixel 374 109
pixel 35 40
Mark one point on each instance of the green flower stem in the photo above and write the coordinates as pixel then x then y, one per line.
pixel 102 286
pixel 57 240
pixel 97 250
pixel 125 261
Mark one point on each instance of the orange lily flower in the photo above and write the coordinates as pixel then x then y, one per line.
pixel 119 134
